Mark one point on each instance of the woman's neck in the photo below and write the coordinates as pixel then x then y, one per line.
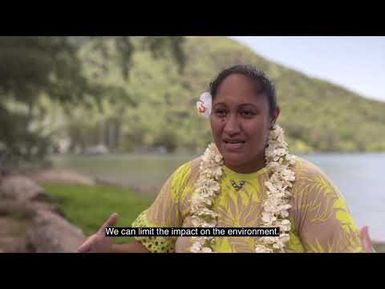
pixel 247 168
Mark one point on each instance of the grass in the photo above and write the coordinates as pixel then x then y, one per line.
pixel 89 206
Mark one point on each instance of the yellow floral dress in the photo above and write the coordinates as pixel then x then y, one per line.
pixel 321 221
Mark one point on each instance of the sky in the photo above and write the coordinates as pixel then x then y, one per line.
pixel 356 63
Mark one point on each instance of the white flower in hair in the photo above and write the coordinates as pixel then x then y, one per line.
pixel 204 104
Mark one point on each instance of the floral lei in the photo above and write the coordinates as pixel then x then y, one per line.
pixel 276 206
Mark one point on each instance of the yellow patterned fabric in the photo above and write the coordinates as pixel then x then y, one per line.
pixel 321 220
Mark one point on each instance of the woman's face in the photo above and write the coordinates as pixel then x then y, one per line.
pixel 240 122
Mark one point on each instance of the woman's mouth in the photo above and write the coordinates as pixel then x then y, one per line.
pixel 233 144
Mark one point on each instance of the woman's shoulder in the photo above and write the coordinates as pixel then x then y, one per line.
pixel 312 180
pixel 182 180
pixel 189 166
pixel 304 168
pixel 186 171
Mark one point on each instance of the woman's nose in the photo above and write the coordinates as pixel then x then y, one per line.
pixel 232 125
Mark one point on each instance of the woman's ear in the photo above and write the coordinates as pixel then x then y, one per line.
pixel 275 115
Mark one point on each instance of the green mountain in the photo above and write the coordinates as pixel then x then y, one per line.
pixel 157 107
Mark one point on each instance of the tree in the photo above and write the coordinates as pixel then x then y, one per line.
pixel 109 61
pixel 31 67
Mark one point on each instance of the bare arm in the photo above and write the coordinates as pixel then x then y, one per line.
pixel 365 239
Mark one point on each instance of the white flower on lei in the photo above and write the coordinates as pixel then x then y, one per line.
pixel 276 206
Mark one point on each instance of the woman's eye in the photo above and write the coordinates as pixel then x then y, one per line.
pixel 220 112
pixel 247 113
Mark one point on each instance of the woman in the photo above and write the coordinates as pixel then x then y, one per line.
pixel 246 178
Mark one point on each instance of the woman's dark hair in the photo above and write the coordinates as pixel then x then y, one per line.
pixel 263 84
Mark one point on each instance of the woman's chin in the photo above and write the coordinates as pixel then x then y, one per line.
pixel 232 160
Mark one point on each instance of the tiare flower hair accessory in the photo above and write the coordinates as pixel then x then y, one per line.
pixel 204 104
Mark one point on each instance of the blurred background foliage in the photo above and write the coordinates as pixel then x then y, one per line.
pixel 137 94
